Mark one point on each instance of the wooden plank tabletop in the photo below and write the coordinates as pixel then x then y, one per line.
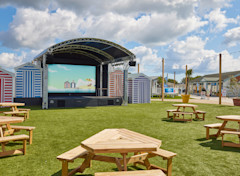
pixel 185 105
pixel 120 141
pixel 229 117
pixel 12 104
pixel 133 173
pixel 7 120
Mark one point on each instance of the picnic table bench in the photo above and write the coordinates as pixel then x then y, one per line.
pixel 222 130
pixel 17 128
pixel 9 131
pixel 69 157
pixel 6 139
pixel 211 126
pixel 230 144
pixel 18 114
pixel 26 110
pixel 132 173
pixel 182 113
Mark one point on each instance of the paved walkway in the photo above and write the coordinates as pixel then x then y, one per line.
pixel 197 99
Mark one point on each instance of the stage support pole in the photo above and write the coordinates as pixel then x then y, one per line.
pixel 220 78
pixel 45 84
pixel 101 78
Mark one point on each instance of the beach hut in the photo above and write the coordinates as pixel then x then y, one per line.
pixel 139 88
pixel 28 81
pixel 6 85
pixel 115 83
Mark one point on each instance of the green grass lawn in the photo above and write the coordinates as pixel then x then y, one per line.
pixel 59 130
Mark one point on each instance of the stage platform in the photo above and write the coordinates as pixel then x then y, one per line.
pixel 82 101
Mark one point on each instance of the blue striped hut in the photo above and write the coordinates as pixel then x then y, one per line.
pixel 139 88
pixel 28 81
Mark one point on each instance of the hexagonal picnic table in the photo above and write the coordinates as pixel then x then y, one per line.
pixel 121 141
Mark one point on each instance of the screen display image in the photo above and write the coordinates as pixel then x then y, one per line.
pixel 64 78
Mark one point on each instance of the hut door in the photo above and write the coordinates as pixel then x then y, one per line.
pixel 141 92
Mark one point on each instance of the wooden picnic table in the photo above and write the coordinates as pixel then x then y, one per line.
pixel 179 112
pixel 13 105
pixel 121 141
pixel 185 106
pixel 226 119
pixel 7 121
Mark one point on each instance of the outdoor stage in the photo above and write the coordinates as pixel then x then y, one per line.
pixel 83 101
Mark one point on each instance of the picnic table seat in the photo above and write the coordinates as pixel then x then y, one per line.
pixel 230 144
pixel 211 126
pixel 170 111
pixel 15 113
pixel 203 113
pixel 178 113
pixel 70 156
pixel 6 139
pixel 166 155
pixel 25 109
pixel 27 128
pixel 132 173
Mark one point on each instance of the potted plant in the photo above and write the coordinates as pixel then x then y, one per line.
pixel 186 97
pixel 234 88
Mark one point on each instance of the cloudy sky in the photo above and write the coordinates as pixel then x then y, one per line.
pixel 191 32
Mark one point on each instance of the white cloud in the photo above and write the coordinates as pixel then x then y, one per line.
pixel 189 52
pixel 192 52
pixel 147 58
pixel 11 60
pixel 63 67
pixel 144 23
pixel 218 18
pixel 38 29
pixel 206 5
pixel 232 36
pixel 52 71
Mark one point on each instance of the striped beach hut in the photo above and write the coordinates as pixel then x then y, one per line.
pixel 115 83
pixel 139 88
pixel 6 85
pixel 28 81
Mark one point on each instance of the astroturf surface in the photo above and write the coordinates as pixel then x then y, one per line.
pixel 59 130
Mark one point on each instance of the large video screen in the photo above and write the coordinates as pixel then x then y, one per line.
pixel 64 78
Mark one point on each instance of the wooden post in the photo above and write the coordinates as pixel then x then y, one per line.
pixel 220 78
pixel 162 79
pixel 186 82
pixel 138 68
pixel 174 81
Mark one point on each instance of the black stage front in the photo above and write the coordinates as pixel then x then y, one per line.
pixel 82 101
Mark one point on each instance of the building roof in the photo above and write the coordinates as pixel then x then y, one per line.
pixel 215 77
pixel 27 64
pixel 154 77
pixel 136 75
pixel 98 51
pixel 225 75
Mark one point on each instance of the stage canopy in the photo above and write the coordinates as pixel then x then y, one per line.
pixel 86 51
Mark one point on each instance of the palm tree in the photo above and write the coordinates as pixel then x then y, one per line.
pixel 189 74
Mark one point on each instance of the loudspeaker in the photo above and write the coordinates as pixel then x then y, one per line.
pixel 132 63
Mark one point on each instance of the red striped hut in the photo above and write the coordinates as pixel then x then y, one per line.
pixel 116 83
pixel 6 85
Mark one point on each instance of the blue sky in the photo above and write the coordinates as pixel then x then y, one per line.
pixel 191 32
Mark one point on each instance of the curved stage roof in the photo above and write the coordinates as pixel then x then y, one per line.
pixel 86 51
